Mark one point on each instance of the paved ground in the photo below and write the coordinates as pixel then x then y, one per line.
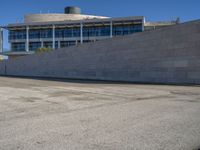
pixel 38 114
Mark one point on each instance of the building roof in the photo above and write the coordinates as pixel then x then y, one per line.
pixel 160 23
pixel 58 17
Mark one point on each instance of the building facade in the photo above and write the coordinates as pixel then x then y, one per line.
pixel 56 31
pixel 31 36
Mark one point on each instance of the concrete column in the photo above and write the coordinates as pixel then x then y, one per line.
pixel 143 23
pixel 27 39
pixel 111 29
pixel 1 40
pixel 53 31
pixel 81 33
pixel 58 44
pixel 42 44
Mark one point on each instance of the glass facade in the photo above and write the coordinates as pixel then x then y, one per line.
pixel 17 35
pixel 67 33
pixel 126 29
pixel 48 45
pixel 95 30
pixel 38 34
pixel 56 45
pixel 18 47
pixel 34 46
pixel 67 43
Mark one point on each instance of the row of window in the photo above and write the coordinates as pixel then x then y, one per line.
pixel 18 46
pixel 35 45
pixel 75 32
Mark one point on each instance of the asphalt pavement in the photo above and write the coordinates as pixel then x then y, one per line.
pixel 81 115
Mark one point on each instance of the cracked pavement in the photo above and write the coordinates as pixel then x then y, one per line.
pixel 87 115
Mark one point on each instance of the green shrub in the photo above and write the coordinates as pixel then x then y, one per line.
pixel 43 49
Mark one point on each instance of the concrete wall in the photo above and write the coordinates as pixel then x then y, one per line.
pixel 168 55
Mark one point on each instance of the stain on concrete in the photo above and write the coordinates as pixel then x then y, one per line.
pixel 28 99
pixel 185 93
pixel 64 93
pixel 188 100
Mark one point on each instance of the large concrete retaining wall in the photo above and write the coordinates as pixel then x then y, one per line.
pixel 169 55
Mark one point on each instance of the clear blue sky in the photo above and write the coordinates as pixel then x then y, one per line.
pixel 12 11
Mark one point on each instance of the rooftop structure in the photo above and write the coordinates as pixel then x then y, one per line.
pixel 72 28
pixel 71 14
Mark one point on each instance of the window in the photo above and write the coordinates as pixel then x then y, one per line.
pixel 56 44
pixel 34 46
pixel 67 43
pixel 48 45
pixel 34 34
pixel 46 33
pixel 96 31
pixel 18 46
pixel 126 29
pixel 17 35
pixel 67 33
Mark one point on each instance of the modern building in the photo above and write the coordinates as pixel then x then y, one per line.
pixel 72 28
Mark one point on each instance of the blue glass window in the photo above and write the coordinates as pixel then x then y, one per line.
pixel 34 34
pixel 48 44
pixel 67 43
pixel 17 35
pixel 34 46
pixel 67 33
pixel 46 33
pixel 96 31
pixel 126 29
pixel 18 46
